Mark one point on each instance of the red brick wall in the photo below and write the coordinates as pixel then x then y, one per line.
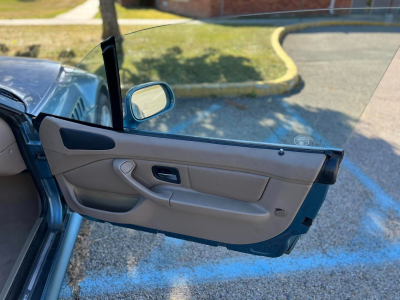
pixel 237 7
pixel 212 8
pixel 342 3
pixel 191 8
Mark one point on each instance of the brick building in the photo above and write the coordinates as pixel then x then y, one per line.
pixel 216 8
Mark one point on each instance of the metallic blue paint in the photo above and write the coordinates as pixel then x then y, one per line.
pixel 29 79
pixel 47 86
pixel 72 86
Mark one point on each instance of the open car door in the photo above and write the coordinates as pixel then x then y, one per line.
pixel 246 197
pixel 250 197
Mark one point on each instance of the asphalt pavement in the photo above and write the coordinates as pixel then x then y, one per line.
pixel 352 251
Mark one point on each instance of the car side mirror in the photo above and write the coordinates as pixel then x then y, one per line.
pixel 147 101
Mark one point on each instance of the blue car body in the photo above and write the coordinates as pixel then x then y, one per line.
pixel 49 87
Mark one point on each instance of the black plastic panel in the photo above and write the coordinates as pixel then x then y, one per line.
pixel 330 169
pixel 83 140
pixel 114 86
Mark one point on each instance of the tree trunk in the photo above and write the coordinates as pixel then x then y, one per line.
pixel 110 23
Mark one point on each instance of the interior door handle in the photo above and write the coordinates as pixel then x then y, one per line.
pixel 124 168
pixel 168 176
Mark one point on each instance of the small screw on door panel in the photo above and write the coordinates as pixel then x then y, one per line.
pixel 281 152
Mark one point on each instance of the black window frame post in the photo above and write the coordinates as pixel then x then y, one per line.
pixel 109 50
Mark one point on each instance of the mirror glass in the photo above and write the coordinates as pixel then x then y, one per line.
pixel 148 101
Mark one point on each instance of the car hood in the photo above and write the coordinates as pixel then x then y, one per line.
pixel 29 79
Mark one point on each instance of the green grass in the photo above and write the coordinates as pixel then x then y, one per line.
pixel 52 40
pixel 204 53
pixel 140 13
pixel 29 9
pixel 175 54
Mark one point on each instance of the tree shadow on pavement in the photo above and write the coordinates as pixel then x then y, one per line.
pixel 260 118
pixel 174 67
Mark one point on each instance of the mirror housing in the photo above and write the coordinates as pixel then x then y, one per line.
pixel 147 101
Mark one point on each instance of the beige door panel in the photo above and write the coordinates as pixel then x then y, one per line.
pixel 180 220
pixel 294 166
pixel 11 161
pixel 227 193
pixel 106 201
pixel 231 184
pixel 100 176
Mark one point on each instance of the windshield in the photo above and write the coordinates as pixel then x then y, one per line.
pixel 296 78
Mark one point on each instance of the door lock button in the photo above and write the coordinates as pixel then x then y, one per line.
pixel 127 167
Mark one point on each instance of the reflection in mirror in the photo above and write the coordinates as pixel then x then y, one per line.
pixel 148 101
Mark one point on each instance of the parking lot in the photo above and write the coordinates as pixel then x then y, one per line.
pixel 351 251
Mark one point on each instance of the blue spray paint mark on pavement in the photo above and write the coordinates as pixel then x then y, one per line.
pixel 201 116
pixel 380 196
pixel 66 291
pixel 231 269
pixel 174 242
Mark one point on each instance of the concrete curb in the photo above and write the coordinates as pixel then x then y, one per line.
pixel 263 88
pixel 258 88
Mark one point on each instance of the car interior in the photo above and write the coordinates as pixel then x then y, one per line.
pixel 20 205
